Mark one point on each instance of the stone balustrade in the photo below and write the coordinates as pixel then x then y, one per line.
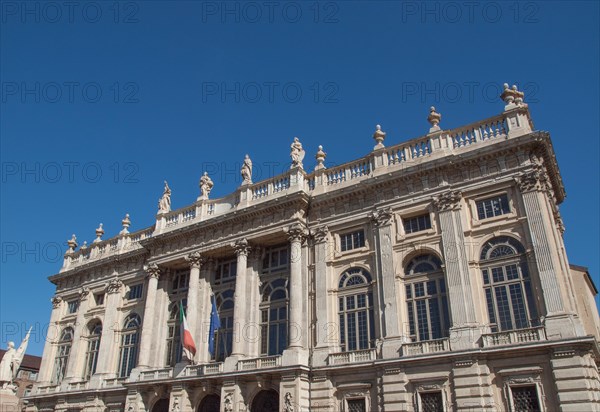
pixel 340 358
pixel 201 370
pixel 425 347
pixel 259 363
pixel 536 334
pixel 156 374
pixel 510 124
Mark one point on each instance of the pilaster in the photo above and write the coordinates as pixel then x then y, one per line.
pixel 146 342
pixel 240 310
pixel 78 348
pixel 109 342
pixel 321 350
pixel 46 367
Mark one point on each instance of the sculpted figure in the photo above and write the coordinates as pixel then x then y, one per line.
pixel 7 365
pixel 289 406
pixel 246 170
pixel 297 153
pixel 164 204
pixel 206 185
pixel 228 403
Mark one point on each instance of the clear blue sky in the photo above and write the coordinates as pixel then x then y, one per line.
pixel 101 104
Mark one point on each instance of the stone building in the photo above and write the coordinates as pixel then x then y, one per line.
pixel 429 275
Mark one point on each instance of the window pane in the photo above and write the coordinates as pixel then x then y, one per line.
pixel 432 402
pixel 525 399
pixel 422 320
pixel 503 308
pixel 518 305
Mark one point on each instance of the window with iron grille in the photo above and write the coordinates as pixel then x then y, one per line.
pixel 507 285
pixel 493 206
pixel 525 399
pixel 431 401
pixel 357 405
pixel 355 310
pixel 417 223
pixel 135 291
pixel 352 240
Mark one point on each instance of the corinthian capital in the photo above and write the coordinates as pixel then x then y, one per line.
pixel 320 234
pixel 449 200
pixel 382 217
pixel 296 233
pixel 530 181
pixel 152 270
pixel 241 247
pixel 114 286
pixel 195 259
pixel 84 293
pixel 56 301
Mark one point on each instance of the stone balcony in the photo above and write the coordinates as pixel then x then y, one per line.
pixel 264 362
pixel 156 374
pixel 381 161
pixel 357 356
pixel 426 347
pixel 512 337
pixel 202 370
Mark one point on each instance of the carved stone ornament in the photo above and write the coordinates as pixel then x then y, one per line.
pixel 241 247
pixel 382 217
pixel 320 156
pixel 296 153
pixel 246 171
pixel 99 234
pixel 84 293
pixel 228 403
pixel 114 286
pixel 434 119
pixel 195 259
pixel 448 201
pixel 72 244
pixel 288 402
pixel 379 137
pixel 296 233
pixel 521 380
pixel 164 203
pixel 530 181
pixel 56 301
pixel 152 270
pixel 320 234
pixel 206 184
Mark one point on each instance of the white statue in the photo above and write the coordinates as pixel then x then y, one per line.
pixel 246 171
pixel 228 403
pixel 206 185
pixel 297 153
pixel 164 203
pixel 289 405
pixel 11 361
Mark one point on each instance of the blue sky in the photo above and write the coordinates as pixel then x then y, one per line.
pixel 101 103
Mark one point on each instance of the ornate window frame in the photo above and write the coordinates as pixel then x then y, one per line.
pixel 432 386
pixel 401 233
pixel 337 236
pixel 519 377
pixel 354 391
pixel 472 205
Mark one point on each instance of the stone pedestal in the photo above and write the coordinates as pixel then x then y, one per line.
pixel 8 399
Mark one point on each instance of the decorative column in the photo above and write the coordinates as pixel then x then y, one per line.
pixel 109 342
pixel 386 282
pixel 321 351
pixel 240 310
pixel 207 268
pixel 296 234
pixel 195 260
pixel 251 332
pixel 152 273
pixel 46 367
pixel 540 221
pixel 460 295
pixel 78 348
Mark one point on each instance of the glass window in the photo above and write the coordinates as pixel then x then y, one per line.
pixel 352 240
pixel 72 306
pixel 224 335
pixel 135 291
pixel 226 271
pixel 274 317
pixel 62 355
pixel 93 349
pixel 493 206
pixel 130 338
pixel 356 318
pixel 99 298
pixel 417 223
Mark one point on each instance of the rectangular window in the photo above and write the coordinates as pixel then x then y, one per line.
pixel 431 402
pixel 135 291
pixel 352 240
pixel 525 399
pixel 417 223
pixel 99 298
pixel 226 271
pixel 276 259
pixel 493 206
pixel 357 405
pixel 72 306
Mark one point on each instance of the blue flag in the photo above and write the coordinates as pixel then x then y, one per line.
pixel 215 323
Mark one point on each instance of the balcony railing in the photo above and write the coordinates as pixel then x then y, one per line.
pixel 429 346
pixel 259 363
pixel 77 386
pixel 206 369
pixel 41 390
pixel 514 336
pixel 152 375
pixel 340 358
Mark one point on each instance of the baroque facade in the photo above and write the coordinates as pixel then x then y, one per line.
pixel 430 275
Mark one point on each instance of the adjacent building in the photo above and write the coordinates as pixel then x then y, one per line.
pixel 429 275
pixel 26 377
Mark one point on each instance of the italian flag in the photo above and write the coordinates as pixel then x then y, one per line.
pixel 189 347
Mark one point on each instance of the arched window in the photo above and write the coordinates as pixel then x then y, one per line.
pixel 355 309
pixel 130 338
pixel 62 355
pixel 224 335
pixel 427 303
pixel 174 347
pixel 274 316
pixel 507 285
pixel 93 348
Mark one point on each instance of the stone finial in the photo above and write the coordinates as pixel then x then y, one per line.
pixel 246 171
pixel 206 184
pixel 434 119
pixel 99 234
pixel 320 156
pixel 84 246
pixel 512 96
pixel 126 222
pixel 296 153
pixel 72 244
pixel 379 137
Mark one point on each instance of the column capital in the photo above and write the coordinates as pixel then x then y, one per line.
pixel 56 301
pixel 296 232
pixel 320 234
pixel 382 217
pixel 114 286
pixel 84 292
pixel 256 253
pixel 241 247
pixel 531 181
pixel 195 259
pixel 449 200
pixel 152 270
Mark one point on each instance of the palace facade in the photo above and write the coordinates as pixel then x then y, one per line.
pixel 429 275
